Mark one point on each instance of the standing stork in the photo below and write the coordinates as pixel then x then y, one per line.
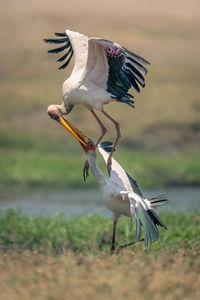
pixel 103 72
pixel 120 192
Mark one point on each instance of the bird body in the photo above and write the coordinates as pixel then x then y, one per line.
pixel 87 83
pixel 111 192
pixel 84 92
pixel 103 72
pixel 122 196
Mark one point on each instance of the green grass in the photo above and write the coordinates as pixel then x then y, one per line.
pixel 58 234
pixel 27 162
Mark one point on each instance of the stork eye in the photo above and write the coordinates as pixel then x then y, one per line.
pixel 54 115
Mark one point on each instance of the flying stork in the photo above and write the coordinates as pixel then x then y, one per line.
pixel 103 72
pixel 120 192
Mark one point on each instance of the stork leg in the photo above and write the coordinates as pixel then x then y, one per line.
pixel 116 141
pixel 113 237
pixel 103 128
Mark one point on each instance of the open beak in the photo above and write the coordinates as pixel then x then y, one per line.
pixel 85 142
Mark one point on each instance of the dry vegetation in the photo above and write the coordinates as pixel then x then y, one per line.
pixel 27 275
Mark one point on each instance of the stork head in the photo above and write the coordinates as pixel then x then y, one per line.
pixel 54 110
pixel 85 142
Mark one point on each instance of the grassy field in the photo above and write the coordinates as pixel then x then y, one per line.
pixel 160 138
pixel 45 164
pixel 59 258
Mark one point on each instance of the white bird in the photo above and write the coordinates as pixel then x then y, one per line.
pixel 103 72
pixel 120 192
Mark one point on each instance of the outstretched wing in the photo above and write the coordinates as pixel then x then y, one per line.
pixel 118 174
pixel 66 48
pixel 106 64
pixel 122 68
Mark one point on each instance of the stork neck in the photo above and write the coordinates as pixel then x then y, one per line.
pixel 98 175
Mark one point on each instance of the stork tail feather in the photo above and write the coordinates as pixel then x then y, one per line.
pixel 151 233
pixel 155 218
pixel 158 201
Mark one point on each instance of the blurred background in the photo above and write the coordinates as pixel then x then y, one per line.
pixel 160 138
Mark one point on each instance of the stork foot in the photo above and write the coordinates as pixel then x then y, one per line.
pixel 86 170
pixel 119 249
pixel 109 163
pixel 112 250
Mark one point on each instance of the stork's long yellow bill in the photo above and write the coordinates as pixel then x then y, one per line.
pixel 74 131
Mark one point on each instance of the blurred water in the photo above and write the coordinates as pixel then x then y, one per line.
pixel 71 202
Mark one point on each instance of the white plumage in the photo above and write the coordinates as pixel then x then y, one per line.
pixel 103 72
pixel 123 197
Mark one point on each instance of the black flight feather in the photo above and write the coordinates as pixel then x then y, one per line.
pixel 122 75
pixel 60 48
pixel 56 41
pixel 133 81
pixel 66 54
pixel 137 57
pixel 60 34
pixel 129 95
pixel 126 101
pixel 136 64
pixel 67 44
pixel 67 62
pixel 137 74
pixel 124 72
